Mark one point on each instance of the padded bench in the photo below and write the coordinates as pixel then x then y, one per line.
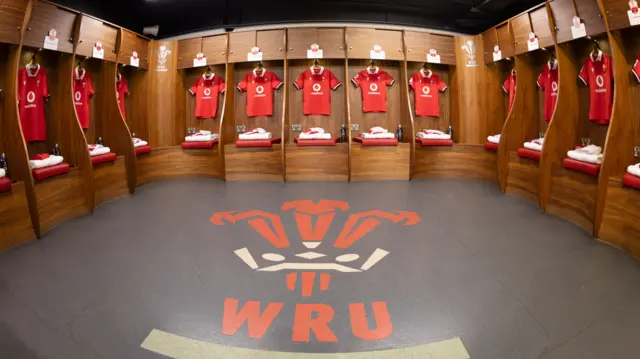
pixel 41 174
pixel 143 149
pixel 257 143
pixel 630 180
pixel 426 142
pixel 100 159
pixel 199 144
pixel 585 167
pixel 5 184
pixel 491 146
pixel 529 153
pixel 312 143
pixel 376 141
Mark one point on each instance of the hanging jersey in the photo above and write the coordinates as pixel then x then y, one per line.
pixel 259 86
pixel 597 73
pixel 426 85
pixel 510 88
pixel 82 92
pixel 206 89
pixel 32 91
pixel 317 83
pixel 122 90
pixel 373 83
pixel 548 81
pixel 636 69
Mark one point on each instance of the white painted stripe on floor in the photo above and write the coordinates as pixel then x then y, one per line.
pixel 177 347
pixel 376 257
pixel 246 257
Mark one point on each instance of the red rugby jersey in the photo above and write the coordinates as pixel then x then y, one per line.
pixel 597 73
pixel 259 86
pixel 317 83
pixel 426 86
pixel 33 88
pixel 510 88
pixel 206 89
pixel 82 92
pixel 122 90
pixel 373 82
pixel 548 81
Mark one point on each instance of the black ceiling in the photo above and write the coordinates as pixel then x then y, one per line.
pixel 183 16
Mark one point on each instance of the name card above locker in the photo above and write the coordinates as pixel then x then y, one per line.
pixel 269 42
pixel 361 42
pixel 433 48
pixel 94 31
pixel 330 43
pixel 46 17
pixel 134 43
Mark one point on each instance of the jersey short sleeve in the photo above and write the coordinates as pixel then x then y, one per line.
pixel 90 91
pixel 636 70
pixel 357 80
pixel 299 82
pixel 194 87
pixel 507 84
pixel 222 86
pixel 44 84
pixel 540 80
pixel 242 86
pixel 584 74
pixel 276 83
pixel 442 86
pixel 387 79
pixel 333 81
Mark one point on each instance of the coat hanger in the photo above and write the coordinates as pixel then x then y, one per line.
pixel 34 61
pixel 315 63
pixel 208 71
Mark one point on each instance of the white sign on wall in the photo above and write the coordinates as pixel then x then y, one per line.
pixel 578 29
pixel 433 57
pixel 533 44
pixel 51 41
pixel 314 52
pixel 200 60
pixel 497 54
pixel 634 13
pixel 377 53
pixel 134 60
pixel 98 50
pixel 255 54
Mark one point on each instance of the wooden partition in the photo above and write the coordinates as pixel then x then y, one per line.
pixel 617 214
pixel 328 163
pixel 111 179
pixel 255 163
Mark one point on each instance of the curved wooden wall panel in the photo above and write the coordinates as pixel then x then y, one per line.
pixel 460 161
pixel 167 163
pixel 15 221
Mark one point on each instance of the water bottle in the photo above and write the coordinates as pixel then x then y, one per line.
pixel 343 134
pixel 4 165
pixel 100 142
pixel 450 131
pixel 399 133
pixel 56 150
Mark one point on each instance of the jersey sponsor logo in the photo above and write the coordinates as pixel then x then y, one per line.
pixel 31 97
pixel 316 89
pixel 554 87
pixel 207 93
pixel 426 91
pixel 374 89
pixel 600 83
pixel 260 91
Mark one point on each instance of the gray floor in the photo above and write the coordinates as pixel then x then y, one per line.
pixel 510 281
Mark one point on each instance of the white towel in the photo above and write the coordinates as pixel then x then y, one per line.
pixel 315 136
pixel 255 136
pixel 585 157
pixel 533 146
pixel 494 139
pixel 2 173
pixel 313 130
pixel 433 136
pixel 97 151
pixel 206 133
pixel 51 161
pixel 378 135
pixel 198 137
pixel 377 129
pixel 634 170
pixel 139 143
pixel 590 150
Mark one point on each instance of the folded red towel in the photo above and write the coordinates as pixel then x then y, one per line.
pixel 40 156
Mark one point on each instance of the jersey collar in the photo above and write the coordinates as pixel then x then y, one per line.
pixel 208 78
pixel 37 67
pixel 313 70
pixel 553 64
pixel 255 72
pixel 426 74
pixel 598 58
pixel 78 76
pixel 375 69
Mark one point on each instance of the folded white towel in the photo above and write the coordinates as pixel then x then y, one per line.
pixel 315 136
pixel 255 136
pixel 255 131
pixel 198 137
pixel 313 130
pixel 494 139
pixel 591 150
pixel 634 170
pixel 206 133
pixel 51 161
pixel 377 129
pixel 139 143
pixel 432 132
pixel 585 157
pixel 533 146
pixel 99 151
pixel 2 173
pixel 433 136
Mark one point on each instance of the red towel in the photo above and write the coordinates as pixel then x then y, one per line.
pixel 40 156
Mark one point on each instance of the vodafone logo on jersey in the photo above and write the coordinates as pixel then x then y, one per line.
pixel 554 87
pixel 260 91
pixel 600 83
pixel 373 89
pixel 316 89
pixel 426 91
pixel 207 93
pixel 31 97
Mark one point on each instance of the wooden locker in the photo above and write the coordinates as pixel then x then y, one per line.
pixel 240 44
pixel 361 42
pixel 93 30
pixel 215 49
pixel 132 42
pixel 505 39
pixel 562 12
pixel 271 43
pixel 418 45
pixel 616 13
pixel 489 41
pixel 187 51
pixel 540 24
pixel 299 40
pixel 331 41
pixel 46 16
pixel 589 12
pixel 521 30
pixel 445 47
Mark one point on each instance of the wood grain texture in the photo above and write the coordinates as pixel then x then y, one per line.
pixel 46 16
pixel 162 98
pixel 299 40
pixel 573 196
pixel 332 43
pixel 110 181
pixel 12 13
pixel 590 14
pixel 93 30
pixel 253 164
pixel 214 49
pixel 621 217
pixel 523 178
pixel 361 40
pixel 187 50
pixel 133 42
pixel 505 39
pixel 317 163
pixel 489 41
pixel 240 44
pixel 521 29
pixel 137 105
pixel 472 124
pixel 60 200
pixel 616 11
pixel 167 163
pixel 271 44
pixel 541 26
pixel 460 161
pixel 562 12
pixel 15 221
pixel 418 45
pixel 371 163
